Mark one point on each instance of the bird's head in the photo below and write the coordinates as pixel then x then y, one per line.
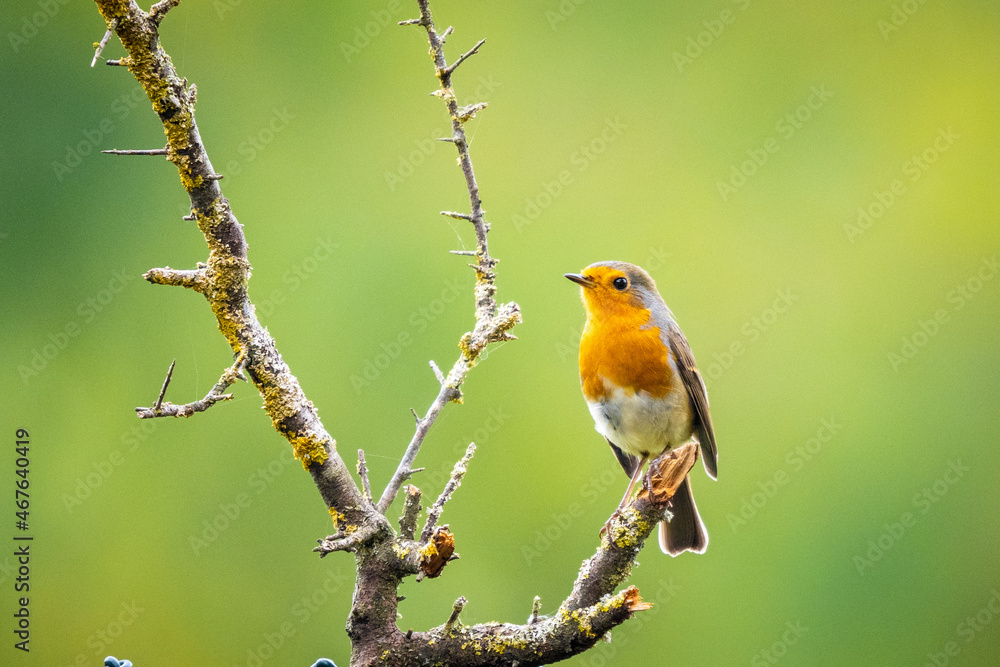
pixel 615 289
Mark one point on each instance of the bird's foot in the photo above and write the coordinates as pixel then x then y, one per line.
pixel 607 526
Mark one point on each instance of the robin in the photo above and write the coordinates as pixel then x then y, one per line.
pixel 642 386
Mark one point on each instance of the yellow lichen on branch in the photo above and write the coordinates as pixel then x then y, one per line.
pixel 309 449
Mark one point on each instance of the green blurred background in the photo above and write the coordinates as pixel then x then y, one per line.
pixel 728 153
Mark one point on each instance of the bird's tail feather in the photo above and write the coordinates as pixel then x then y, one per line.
pixel 685 531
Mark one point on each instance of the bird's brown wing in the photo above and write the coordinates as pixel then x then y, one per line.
pixel 695 386
pixel 629 463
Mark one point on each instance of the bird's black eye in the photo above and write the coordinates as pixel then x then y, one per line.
pixel 620 283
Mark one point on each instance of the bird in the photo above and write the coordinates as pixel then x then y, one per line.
pixel 643 388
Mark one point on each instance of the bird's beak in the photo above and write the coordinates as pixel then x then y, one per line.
pixel 580 280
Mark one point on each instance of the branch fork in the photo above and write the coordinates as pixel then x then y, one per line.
pixel 215 394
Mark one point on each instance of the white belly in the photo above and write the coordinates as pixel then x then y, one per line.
pixel 643 425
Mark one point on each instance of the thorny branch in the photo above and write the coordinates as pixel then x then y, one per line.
pixel 493 321
pixel 222 279
pixel 434 513
pixel 150 151
pixel 383 558
pixel 161 409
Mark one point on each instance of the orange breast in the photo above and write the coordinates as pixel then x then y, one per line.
pixel 616 348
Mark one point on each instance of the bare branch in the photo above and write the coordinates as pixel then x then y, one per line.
pixel 104 41
pixel 457 473
pixel 536 608
pixel 403 470
pixel 455 611
pixel 163 389
pixel 366 486
pixel 151 151
pixel 437 372
pixel 467 113
pixel 349 542
pixel 462 58
pixel 408 521
pixel 215 395
pixel 493 322
pixel 160 9
pixel 223 281
pixel 196 279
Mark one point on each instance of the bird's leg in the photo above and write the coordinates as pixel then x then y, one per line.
pixel 632 482
pixel 628 494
